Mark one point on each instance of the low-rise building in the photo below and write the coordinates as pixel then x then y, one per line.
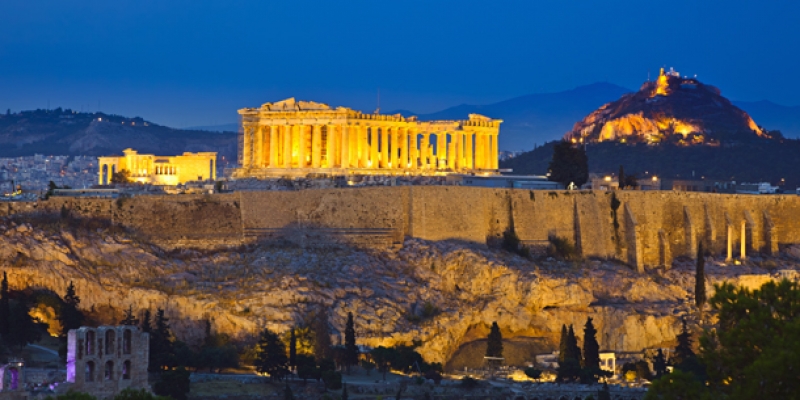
pixel 159 170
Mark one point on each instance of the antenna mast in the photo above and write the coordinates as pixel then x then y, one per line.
pixel 378 109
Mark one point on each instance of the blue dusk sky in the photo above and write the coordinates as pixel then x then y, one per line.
pixel 187 63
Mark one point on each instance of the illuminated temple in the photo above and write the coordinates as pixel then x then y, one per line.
pixel 159 170
pixel 295 138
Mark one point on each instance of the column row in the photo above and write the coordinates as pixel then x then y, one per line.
pixel 358 146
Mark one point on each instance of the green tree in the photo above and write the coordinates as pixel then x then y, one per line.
pixel 678 385
pixel 591 349
pixel 26 330
pixel 494 343
pixel 621 177
pixel 562 345
pixel 322 335
pixel 271 357
pixel 70 317
pixel 754 351
pixel 292 349
pixel 659 364
pixel 384 357
pixel 569 164
pixel 700 279
pixel 129 318
pixel 5 308
pixel 306 367
pixel 572 343
pixel 72 395
pixel 684 357
pixel 533 373
pixel 141 394
pixel 162 351
pixel 173 383
pixel 351 350
pixel 146 327
pixel 570 368
pixel 121 176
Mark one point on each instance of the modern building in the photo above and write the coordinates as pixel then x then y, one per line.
pixel 159 170
pixel 295 138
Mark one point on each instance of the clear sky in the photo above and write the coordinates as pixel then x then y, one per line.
pixel 184 63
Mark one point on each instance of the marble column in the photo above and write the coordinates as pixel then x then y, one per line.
pixel 316 146
pixel 373 147
pixel 247 145
pixel 403 148
pixel 469 161
pixel 458 139
pixel 273 146
pixel 330 145
pixel 743 242
pixel 441 149
pixel 493 152
pixel 384 148
pixel 395 153
pixel 423 150
pixel 287 146
pixel 345 147
pixel 478 150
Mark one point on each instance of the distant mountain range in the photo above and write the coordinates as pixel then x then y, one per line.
pixel 539 118
pixel 66 132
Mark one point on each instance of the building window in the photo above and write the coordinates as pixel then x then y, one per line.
pixel 89 342
pixel 89 372
pixel 126 369
pixel 110 336
pixel 126 342
pixel 109 374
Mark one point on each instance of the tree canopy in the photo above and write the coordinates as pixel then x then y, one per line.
pixel 272 357
pixel 569 164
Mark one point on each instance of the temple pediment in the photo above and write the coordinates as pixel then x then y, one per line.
pixel 291 104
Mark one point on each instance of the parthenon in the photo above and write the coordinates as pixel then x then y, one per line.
pixel 295 138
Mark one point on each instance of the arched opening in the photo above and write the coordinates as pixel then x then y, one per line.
pixel 126 369
pixel 90 342
pixel 126 341
pixel 14 374
pixel 109 371
pixel 110 337
pixel 89 377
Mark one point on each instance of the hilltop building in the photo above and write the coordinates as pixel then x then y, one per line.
pixel 159 170
pixel 295 138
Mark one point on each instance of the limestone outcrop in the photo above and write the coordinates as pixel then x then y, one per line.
pixel 444 294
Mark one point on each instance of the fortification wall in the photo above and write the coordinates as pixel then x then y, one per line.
pixel 651 227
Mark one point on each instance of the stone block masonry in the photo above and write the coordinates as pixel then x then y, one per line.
pixel 652 227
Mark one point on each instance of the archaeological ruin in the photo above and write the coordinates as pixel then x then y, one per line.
pixel 159 170
pixel 295 138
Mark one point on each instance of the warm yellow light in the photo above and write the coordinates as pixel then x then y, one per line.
pixel 655 178
pixel 607 179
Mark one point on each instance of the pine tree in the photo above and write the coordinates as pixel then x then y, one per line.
pixel 146 327
pixel 293 349
pixel 322 336
pixel 162 353
pixel 591 349
pixel 660 364
pixel 562 345
pixel 494 344
pixel 71 317
pixel 351 350
pixel 572 343
pixel 700 279
pixel 621 177
pixel 569 164
pixel 5 309
pixel 271 355
pixel 129 319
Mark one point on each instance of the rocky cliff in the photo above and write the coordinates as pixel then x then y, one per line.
pixel 444 294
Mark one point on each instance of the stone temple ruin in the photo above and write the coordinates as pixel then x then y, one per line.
pixel 101 361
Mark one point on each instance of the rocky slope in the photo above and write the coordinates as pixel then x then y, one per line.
pixel 469 286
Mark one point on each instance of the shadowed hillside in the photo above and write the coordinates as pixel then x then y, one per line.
pixel 65 132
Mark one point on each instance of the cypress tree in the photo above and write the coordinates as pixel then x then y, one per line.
pixel 660 364
pixel 684 352
pixel 5 309
pixel 494 344
pixel 146 327
pixel 591 349
pixel 161 349
pixel 700 279
pixel 351 350
pixel 71 317
pixel 621 177
pixel 572 343
pixel 322 335
pixel 129 319
pixel 292 349
pixel 562 345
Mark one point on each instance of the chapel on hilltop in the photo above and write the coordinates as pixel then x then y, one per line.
pixel 295 138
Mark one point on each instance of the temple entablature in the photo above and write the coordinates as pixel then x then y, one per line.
pixel 294 138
